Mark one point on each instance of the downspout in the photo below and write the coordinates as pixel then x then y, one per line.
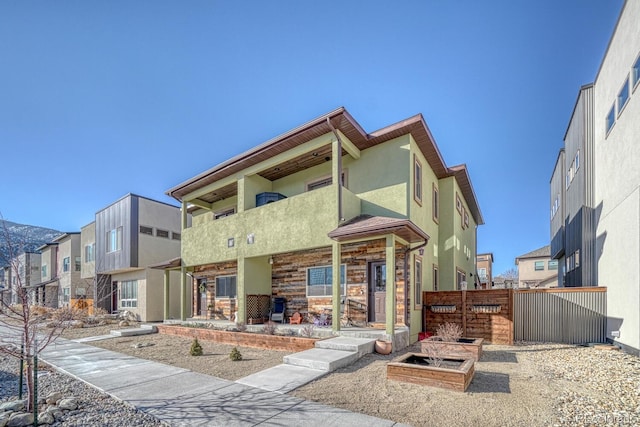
pixel 340 216
pixel 407 320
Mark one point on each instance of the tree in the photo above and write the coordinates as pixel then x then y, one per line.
pixel 22 323
pixel 511 273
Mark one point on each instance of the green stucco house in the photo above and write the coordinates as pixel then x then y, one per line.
pixel 333 219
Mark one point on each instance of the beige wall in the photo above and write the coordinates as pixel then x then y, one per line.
pixel 87 237
pixel 529 277
pixel 154 249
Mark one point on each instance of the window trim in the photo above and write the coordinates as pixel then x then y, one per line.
pixel 324 178
pixel 466 218
pixel 417 280
pixel 128 302
pixel 78 264
pixel 611 114
pixel 635 69
pixel 66 264
pixel 435 203
pixel 223 213
pixel 535 266
pixel 118 236
pixel 461 272
pixel 343 285
pixel 626 101
pixel 458 203
pixel 576 162
pixel 161 231
pixel 147 230
pixel 215 294
pixel 417 180
pixel 549 267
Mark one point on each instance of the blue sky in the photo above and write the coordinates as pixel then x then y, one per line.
pixel 102 98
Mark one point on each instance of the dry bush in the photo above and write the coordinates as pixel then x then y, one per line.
pixel 241 326
pixel 67 314
pixel 269 328
pixel 40 311
pixel 432 351
pixel 307 330
pixel 450 332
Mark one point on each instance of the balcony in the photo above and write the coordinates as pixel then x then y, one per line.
pixel 295 223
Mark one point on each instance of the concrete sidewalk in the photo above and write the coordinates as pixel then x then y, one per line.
pixel 181 397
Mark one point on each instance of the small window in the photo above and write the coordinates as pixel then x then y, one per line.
pixel 458 204
pixel 635 73
pixel 146 230
pixel 568 180
pixel 89 252
pixel 552 264
pixel 418 282
pixel 66 293
pixel 576 161
pixel 576 257
pixel 66 264
pixel 224 213
pixel 623 96
pixel 43 270
pixel 226 287
pixel 461 279
pixel 611 118
pixel 162 233
pixel 436 204
pixel 482 274
pixel 436 277
pixel 538 266
pixel 78 263
pixel 466 219
pixel 417 180
pixel 114 240
pixel 175 236
pixel 325 182
pixel 129 293
pixel 319 281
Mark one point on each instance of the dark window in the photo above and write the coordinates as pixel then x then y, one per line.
pixel 162 233
pixel 611 118
pixel 146 230
pixel 226 286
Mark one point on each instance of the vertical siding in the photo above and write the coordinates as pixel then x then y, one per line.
pixel 560 315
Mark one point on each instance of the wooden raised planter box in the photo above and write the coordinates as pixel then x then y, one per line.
pixel 415 368
pixel 242 339
pixel 464 348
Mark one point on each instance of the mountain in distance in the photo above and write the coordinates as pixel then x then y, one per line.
pixel 22 238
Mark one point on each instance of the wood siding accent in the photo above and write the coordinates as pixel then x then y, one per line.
pixel 289 278
pixel 454 379
pixel 223 308
pixel 495 327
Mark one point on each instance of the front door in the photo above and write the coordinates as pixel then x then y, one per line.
pixel 377 291
pixel 201 303
pixel 114 297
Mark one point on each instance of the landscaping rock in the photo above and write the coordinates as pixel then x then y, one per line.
pixel 46 418
pixel 69 404
pixel 4 419
pixel 123 323
pixel 20 419
pixel 13 406
pixel 53 398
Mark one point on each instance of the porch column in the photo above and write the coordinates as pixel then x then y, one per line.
pixel 241 297
pixel 166 294
pixel 336 248
pixel 184 218
pixel 183 293
pixel 390 308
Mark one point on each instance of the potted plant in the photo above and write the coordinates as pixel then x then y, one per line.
pixel 384 345
pixel 448 342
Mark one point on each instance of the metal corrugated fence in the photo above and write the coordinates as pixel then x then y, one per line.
pixel 565 315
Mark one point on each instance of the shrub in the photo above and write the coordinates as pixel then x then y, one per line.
pixel 307 330
pixel 449 332
pixel 269 328
pixel 65 314
pixel 196 348
pixel 235 354
pixel 432 351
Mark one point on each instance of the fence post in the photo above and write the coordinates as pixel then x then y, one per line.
pixel 464 312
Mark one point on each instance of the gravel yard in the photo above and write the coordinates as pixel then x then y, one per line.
pixel 521 385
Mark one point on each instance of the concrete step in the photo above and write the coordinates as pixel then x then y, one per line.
pixel 149 326
pixel 361 346
pixel 281 378
pixel 322 359
pixel 133 331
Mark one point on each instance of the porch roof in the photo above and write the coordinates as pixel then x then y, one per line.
pixel 168 265
pixel 364 226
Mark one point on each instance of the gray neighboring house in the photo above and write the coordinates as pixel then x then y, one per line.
pixel 595 186
pixel 23 270
pixel 118 248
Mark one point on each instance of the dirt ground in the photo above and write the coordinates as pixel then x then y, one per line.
pixel 512 385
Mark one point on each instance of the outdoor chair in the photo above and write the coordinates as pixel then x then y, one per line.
pixel 296 319
pixel 277 310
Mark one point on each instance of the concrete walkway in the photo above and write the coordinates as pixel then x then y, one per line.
pixel 181 397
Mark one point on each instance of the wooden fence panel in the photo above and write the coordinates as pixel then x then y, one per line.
pixel 484 314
